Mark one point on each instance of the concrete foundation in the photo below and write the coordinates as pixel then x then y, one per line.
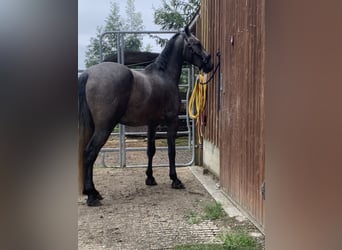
pixel 211 157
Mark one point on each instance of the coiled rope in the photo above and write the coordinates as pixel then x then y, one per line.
pixel 197 104
pixel 198 98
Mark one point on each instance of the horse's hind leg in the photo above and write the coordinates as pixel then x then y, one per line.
pixel 151 150
pixel 93 148
pixel 171 139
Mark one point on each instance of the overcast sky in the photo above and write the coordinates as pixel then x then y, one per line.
pixel 93 13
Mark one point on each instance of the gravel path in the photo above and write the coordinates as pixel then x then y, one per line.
pixel 136 216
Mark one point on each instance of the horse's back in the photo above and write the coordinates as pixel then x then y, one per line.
pixel 108 90
pixel 109 78
pixel 109 72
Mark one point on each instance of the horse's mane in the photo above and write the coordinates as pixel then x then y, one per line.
pixel 161 61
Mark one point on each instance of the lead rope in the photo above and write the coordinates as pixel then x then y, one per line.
pixel 198 98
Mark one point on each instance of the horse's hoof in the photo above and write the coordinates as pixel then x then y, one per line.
pixel 177 184
pixel 99 197
pixel 94 202
pixel 150 182
pixel 94 193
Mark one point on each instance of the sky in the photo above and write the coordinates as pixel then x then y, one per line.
pixel 93 13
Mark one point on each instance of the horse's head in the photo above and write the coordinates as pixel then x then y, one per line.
pixel 194 52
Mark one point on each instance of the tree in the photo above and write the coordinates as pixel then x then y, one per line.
pixel 93 49
pixel 133 22
pixel 114 22
pixel 148 48
pixel 175 14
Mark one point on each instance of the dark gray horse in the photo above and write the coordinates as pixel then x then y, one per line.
pixel 110 93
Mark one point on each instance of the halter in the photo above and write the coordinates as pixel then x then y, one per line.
pixel 194 51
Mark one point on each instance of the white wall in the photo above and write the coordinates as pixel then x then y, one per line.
pixel 211 157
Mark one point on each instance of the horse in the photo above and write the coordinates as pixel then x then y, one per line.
pixel 111 93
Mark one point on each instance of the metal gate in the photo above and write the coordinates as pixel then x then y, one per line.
pixel 126 146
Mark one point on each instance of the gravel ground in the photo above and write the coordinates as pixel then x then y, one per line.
pixel 136 216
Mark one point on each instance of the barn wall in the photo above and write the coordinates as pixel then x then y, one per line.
pixel 236 27
pixel 209 32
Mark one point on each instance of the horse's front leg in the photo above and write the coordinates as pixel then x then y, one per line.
pixel 171 142
pixel 151 150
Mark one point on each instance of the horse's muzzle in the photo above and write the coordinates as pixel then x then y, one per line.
pixel 207 64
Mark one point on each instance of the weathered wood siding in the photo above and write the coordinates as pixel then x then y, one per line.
pixel 237 28
pixel 209 32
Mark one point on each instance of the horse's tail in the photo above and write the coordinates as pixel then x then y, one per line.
pixel 85 127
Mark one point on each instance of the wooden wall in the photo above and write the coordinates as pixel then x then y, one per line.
pixel 237 28
pixel 210 35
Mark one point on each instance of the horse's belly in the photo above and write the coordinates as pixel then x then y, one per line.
pixel 133 121
pixel 141 116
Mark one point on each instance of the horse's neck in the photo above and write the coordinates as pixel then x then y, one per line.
pixel 174 66
pixel 174 62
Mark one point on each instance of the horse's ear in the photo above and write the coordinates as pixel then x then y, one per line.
pixel 187 31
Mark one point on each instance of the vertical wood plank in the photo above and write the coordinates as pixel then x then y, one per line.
pixel 238 128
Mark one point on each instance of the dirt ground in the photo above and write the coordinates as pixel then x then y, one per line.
pixel 136 216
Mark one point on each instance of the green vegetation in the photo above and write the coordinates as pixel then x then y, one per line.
pixel 213 211
pixel 132 22
pixel 231 241
pixel 200 247
pixel 175 14
pixel 239 241
pixel 193 217
pixel 236 240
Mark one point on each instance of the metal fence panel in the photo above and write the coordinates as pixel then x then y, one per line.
pixel 128 148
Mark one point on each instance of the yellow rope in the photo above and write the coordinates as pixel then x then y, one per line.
pixel 198 98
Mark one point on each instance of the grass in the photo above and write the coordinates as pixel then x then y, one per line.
pixel 231 241
pixel 213 211
pixel 193 217
pixel 236 240
pixel 239 241
pixel 199 247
